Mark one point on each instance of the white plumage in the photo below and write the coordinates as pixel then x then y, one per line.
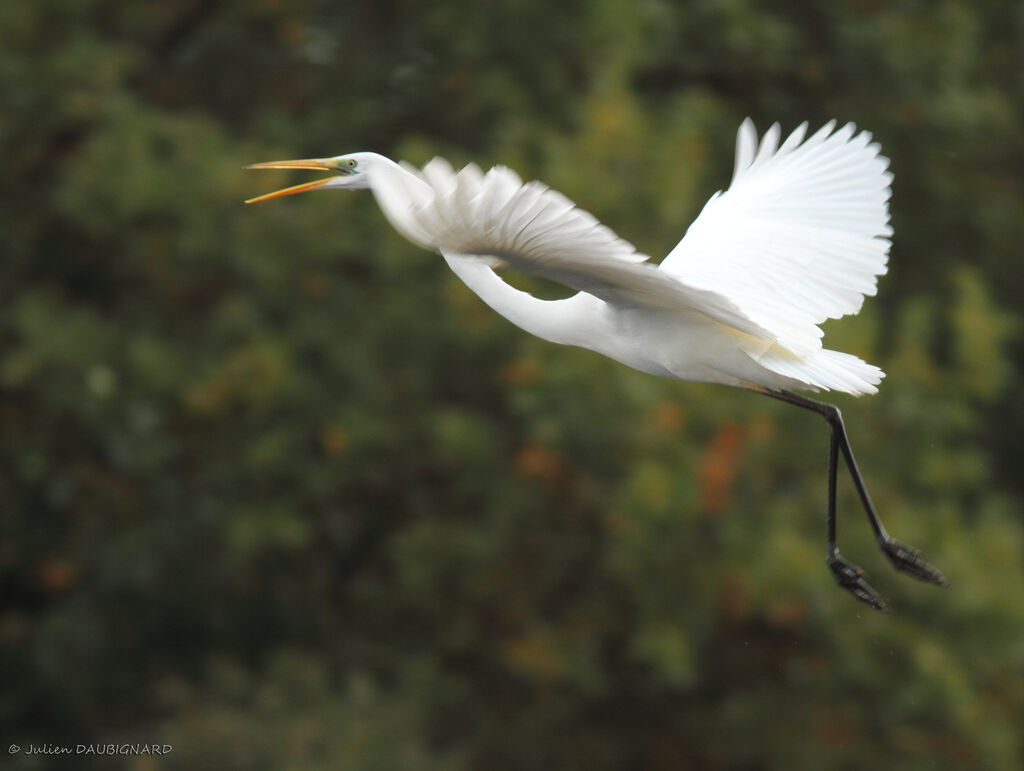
pixel 801 235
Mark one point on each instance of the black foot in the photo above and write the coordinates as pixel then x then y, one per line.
pixel 909 560
pixel 851 578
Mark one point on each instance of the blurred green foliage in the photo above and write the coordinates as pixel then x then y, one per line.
pixel 279 491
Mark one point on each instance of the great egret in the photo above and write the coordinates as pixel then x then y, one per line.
pixel 801 235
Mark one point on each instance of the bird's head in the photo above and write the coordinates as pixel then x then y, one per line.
pixel 351 172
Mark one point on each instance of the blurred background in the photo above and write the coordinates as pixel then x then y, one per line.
pixel 278 491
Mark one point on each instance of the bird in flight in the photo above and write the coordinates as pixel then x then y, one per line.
pixel 800 236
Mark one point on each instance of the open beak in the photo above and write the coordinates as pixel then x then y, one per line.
pixel 322 164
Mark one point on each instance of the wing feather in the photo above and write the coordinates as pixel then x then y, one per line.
pixel 536 230
pixel 801 235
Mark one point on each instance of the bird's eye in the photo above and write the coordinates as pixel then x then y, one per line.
pixel 350 163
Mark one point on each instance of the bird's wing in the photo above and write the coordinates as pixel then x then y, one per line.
pixel 801 235
pixel 536 230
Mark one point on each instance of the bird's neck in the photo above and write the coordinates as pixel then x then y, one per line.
pixel 559 321
pixel 399 193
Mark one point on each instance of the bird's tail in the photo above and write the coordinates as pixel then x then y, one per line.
pixel 825 369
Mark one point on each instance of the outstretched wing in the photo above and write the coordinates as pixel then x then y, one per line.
pixel 536 230
pixel 801 235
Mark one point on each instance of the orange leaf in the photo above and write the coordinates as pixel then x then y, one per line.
pixel 718 468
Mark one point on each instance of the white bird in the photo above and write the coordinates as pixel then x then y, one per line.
pixel 801 235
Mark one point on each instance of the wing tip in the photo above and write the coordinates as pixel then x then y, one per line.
pixel 746 146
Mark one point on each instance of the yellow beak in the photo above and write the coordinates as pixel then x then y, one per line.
pixel 322 164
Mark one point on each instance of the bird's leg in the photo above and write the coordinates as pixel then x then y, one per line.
pixel 848 575
pixel 903 557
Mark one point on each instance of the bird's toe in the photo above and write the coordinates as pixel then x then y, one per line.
pixel 909 560
pixel 851 578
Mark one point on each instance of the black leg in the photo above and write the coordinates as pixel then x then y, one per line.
pixel 848 575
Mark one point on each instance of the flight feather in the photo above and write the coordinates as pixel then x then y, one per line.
pixel 801 235
pixel 536 230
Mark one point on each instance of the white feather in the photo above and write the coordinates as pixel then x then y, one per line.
pixel 800 236
pixel 539 231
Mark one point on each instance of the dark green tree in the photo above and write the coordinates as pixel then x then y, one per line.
pixel 277 490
